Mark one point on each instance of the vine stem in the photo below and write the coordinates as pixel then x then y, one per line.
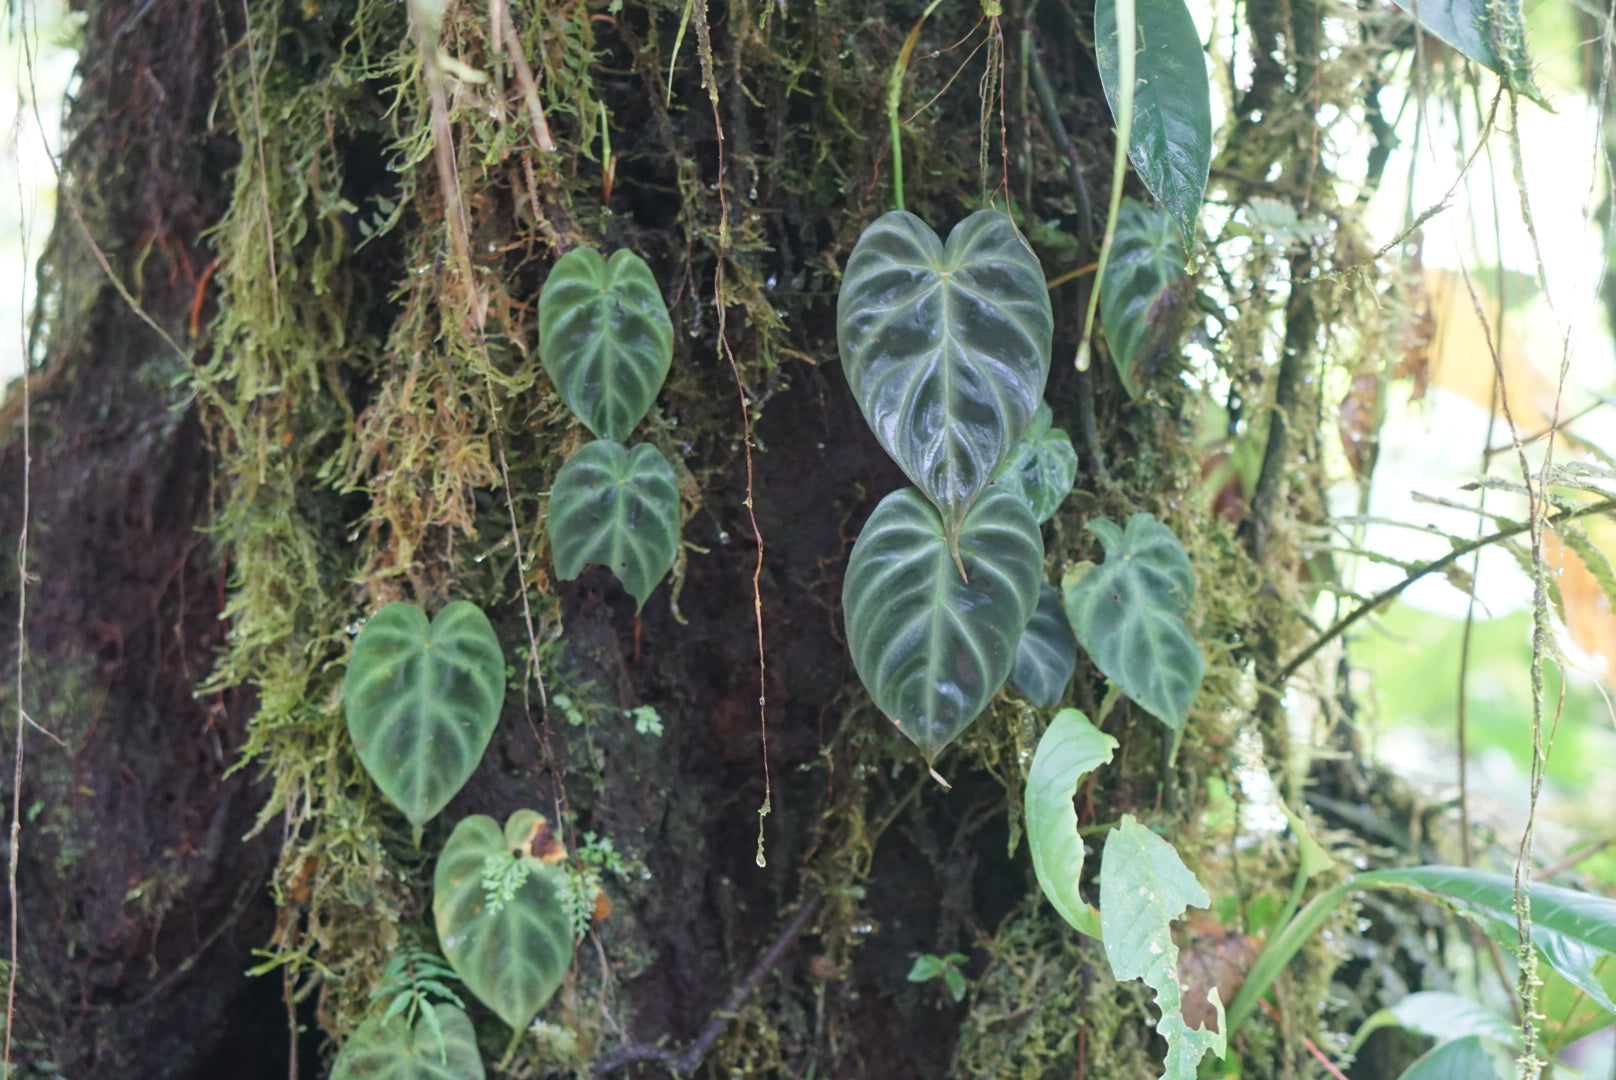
pixel 894 94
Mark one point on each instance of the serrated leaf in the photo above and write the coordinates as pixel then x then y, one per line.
pixel 933 648
pixel 946 348
pixel 1144 886
pixel 1490 32
pixel 1171 142
pixel 422 701
pixel 513 950
pixel 605 338
pixel 1047 653
pixel 394 1049
pixel 1043 467
pixel 619 508
pixel 1070 749
pixel 1461 1059
pixel 1128 614
pixel 1139 295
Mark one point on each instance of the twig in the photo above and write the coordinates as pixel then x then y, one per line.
pixel 683 1064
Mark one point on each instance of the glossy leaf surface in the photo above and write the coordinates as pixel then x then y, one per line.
pixel 1461 1059
pixel 1171 142
pixel 1047 653
pixel 931 647
pixel 501 914
pixel 1144 886
pixel 395 1049
pixel 1070 749
pixel 619 508
pixel 1140 292
pixel 422 701
pixel 1043 467
pixel 946 348
pixel 1128 614
pixel 605 338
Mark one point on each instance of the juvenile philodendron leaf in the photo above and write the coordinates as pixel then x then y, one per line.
pixel 1139 297
pixel 1070 749
pixel 946 349
pixel 1490 32
pixel 422 701
pixel 1047 653
pixel 499 902
pixel 393 1048
pixel 1043 467
pixel 605 338
pixel 619 508
pixel 1171 141
pixel 1461 1059
pixel 1144 886
pixel 1128 614
pixel 931 647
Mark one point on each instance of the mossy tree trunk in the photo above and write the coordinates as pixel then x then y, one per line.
pixel 345 407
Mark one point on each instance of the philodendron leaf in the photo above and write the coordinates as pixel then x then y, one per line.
pixel 395 1049
pixel 1047 652
pixel 1043 467
pixel 422 701
pixel 605 338
pixel 1490 32
pixel 946 349
pixel 499 902
pixel 1461 1059
pixel 1128 614
pixel 1070 749
pixel 932 647
pixel 1144 886
pixel 1139 296
pixel 619 508
pixel 1171 141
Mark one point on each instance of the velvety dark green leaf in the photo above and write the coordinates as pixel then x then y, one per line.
pixel 1477 28
pixel 1139 298
pixel 1171 141
pixel 1128 614
pixel 1144 886
pixel 422 701
pixel 946 349
pixel 1461 1059
pixel 931 647
pixel 1070 749
pixel 605 338
pixel 1047 652
pixel 618 508
pixel 395 1049
pixel 1043 467
pixel 501 914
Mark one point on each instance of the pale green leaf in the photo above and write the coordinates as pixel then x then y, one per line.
pixel 1461 1059
pixel 440 1045
pixel 1070 749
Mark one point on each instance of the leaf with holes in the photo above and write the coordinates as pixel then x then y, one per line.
pixel 946 348
pixel 619 508
pixel 437 1046
pixel 1140 306
pixel 1047 653
pixel 1043 467
pixel 1144 886
pixel 500 909
pixel 933 647
pixel 1171 141
pixel 1070 749
pixel 605 338
pixel 1128 614
pixel 422 701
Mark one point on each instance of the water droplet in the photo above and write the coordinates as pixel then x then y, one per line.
pixel 771 282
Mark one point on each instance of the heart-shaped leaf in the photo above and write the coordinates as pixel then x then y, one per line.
pixel 1171 141
pixel 422 701
pixel 619 508
pixel 1047 654
pixel 501 913
pixel 1070 749
pixel 932 647
pixel 1128 614
pixel 605 338
pixel 946 349
pixel 1139 301
pixel 441 1046
pixel 1043 467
